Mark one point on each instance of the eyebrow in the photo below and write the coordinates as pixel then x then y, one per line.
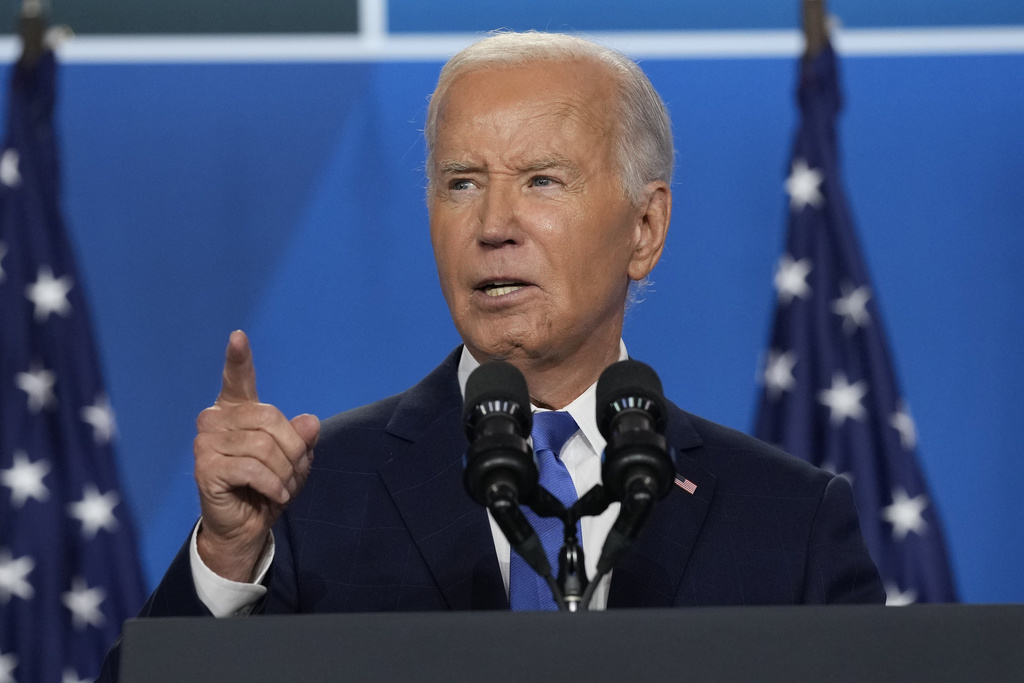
pixel 448 167
pixel 553 162
pixel 451 166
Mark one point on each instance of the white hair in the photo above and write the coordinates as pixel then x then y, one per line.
pixel 644 151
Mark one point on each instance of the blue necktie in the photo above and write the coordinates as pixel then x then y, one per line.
pixel 527 590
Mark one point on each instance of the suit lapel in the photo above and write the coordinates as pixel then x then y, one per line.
pixel 424 479
pixel 452 533
pixel 650 573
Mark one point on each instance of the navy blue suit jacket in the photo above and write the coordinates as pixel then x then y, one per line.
pixel 384 523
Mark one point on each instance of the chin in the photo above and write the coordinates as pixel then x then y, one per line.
pixel 506 347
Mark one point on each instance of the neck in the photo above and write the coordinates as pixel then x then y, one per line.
pixel 555 387
pixel 554 383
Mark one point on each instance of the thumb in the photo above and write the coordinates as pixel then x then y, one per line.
pixel 238 384
pixel 308 428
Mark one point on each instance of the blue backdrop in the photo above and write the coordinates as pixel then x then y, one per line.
pixel 287 199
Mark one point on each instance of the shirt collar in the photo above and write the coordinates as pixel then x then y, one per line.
pixel 582 408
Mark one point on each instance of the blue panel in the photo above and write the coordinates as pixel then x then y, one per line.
pixel 886 13
pixel 687 15
pixel 288 200
pixel 184 184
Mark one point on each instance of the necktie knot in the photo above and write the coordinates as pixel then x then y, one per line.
pixel 551 429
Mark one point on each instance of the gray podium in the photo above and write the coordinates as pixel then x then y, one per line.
pixel 917 643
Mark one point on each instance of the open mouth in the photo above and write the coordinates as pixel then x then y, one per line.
pixel 501 288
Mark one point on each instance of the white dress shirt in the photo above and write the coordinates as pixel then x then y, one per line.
pixel 581 455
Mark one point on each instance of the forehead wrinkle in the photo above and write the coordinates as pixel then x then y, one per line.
pixel 589 109
pixel 544 162
pixel 540 162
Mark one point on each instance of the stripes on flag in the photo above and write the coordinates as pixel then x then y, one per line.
pixel 686 485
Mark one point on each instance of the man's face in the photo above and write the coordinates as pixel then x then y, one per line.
pixel 532 232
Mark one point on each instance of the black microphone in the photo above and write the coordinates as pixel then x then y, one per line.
pixel 637 469
pixel 497 418
pixel 500 467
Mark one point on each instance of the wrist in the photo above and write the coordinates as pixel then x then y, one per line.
pixel 232 559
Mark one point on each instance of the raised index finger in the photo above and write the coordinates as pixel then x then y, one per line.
pixel 238 384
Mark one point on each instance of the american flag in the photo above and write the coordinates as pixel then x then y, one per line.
pixel 69 570
pixel 686 485
pixel 829 390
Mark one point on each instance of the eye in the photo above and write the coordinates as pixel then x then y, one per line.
pixel 542 181
pixel 460 184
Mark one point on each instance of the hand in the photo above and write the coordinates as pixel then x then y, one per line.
pixel 250 462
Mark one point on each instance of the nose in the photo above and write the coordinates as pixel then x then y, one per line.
pixel 499 223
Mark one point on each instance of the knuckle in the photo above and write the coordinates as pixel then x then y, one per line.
pixel 202 445
pixel 252 470
pixel 267 415
pixel 207 419
pixel 263 446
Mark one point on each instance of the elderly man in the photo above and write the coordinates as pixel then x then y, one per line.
pixel 549 165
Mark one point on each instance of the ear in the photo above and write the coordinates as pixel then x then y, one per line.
pixel 653 214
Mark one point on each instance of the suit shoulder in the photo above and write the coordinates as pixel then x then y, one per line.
pixel 372 430
pixel 715 435
pixel 725 450
pixel 374 415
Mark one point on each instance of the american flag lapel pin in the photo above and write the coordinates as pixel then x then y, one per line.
pixel 686 485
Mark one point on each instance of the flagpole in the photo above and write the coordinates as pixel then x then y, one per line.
pixel 33 33
pixel 815 21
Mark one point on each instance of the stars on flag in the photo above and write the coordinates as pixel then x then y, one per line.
pixel 14 577
pixel 8 663
pixel 894 597
pixel 49 294
pixel 10 175
pixel 791 278
pixel 69 572
pixel 95 511
pixel 778 372
pixel 905 514
pixel 852 305
pixel 844 399
pixel 38 383
pixel 836 333
pixel 25 479
pixel 101 416
pixel 804 186
pixel 84 603
pixel 71 676
pixel 831 468
pixel 902 422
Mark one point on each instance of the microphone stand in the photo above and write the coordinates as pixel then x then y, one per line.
pixel 573 591
pixel 593 502
pixel 566 591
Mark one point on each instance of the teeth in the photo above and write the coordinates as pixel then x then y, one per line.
pixel 501 288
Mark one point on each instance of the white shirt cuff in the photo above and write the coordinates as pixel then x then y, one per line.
pixel 223 597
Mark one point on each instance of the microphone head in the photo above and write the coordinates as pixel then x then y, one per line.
pixel 629 385
pixel 497 387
